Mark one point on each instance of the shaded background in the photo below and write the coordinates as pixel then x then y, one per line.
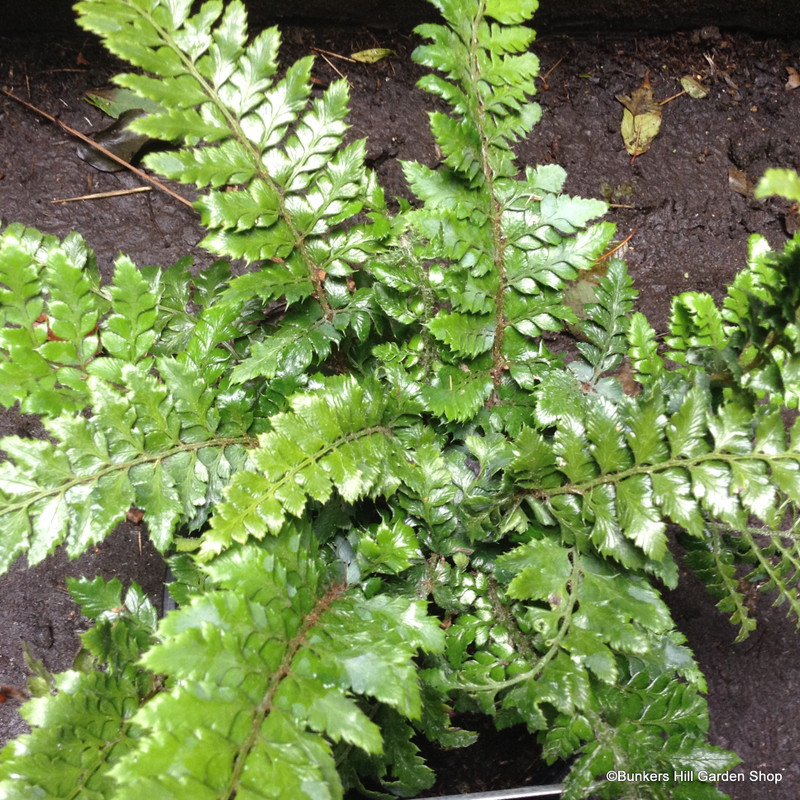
pixel 763 16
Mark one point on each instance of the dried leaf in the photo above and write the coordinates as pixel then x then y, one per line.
pixel 119 139
pixel 134 515
pixel 641 119
pixel 794 78
pixel 739 182
pixel 578 295
pixel 693 87
pixel 373 55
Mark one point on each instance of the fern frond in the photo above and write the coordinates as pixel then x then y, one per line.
pixel 643 351
pixel 337 437
pixel 509 245
pixel 752 342
pixel 606 326
pixel 491 76
pixel 154 446
pixel 771 562
pixel 713 561
pixel 287 651
pixel 49 310
pixel 647 723
pixel 566 644
pixel 85 728
pixel 776 566
pixel 293 181
pixel 615 474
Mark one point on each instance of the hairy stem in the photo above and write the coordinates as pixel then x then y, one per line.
pixel 283 671
pixel 496 213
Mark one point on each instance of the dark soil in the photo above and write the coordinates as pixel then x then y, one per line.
pixel 690 230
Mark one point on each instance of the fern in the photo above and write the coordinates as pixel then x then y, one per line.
pixel 752 342
pixel 165 444
pixel 86 728
pixel 387 497
pixel 509 245
pixel 50 311
pixel 330 438
pixel 295 647
pixel 292 180
pixel 605 329
pixel 155 446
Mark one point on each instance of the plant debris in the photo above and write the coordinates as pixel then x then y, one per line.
pixel 693 87
pixel 117 138
pixel 739 182
pixel 641 119
pixel 116 102
pixel 372 55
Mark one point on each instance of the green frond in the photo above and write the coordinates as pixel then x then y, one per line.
pixel 293 182
pixel 456 394
pixel 153 445
pixel 563 642
pixel 613 475
pixel 713 560
pixel 369 418
pixel 337 437
pixel 288 651
pixel 607 324
pixel 643 351
pixel 83 728
pixel 648 723
pixel 751 343
pixel 50 308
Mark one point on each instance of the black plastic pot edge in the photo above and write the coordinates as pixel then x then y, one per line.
pixel 774 17
pixel 521 793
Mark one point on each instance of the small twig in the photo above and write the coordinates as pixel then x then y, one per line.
pixel 669 99
pixel 614 250
pixel 333 66
pixel 101 195
pixel 334 55
pixel 103 150
pixel 543 78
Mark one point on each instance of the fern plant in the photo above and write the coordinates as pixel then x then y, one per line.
pixel 382 497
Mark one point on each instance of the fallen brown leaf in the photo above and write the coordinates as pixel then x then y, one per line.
pixel 739 182
pixel 641 119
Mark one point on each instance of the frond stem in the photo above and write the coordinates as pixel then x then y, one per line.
pixel 109 468
pixel 649 469
pixel 496 214
pixel 283 671
pixel 312 268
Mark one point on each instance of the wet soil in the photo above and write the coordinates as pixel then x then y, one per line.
pixel 686 202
